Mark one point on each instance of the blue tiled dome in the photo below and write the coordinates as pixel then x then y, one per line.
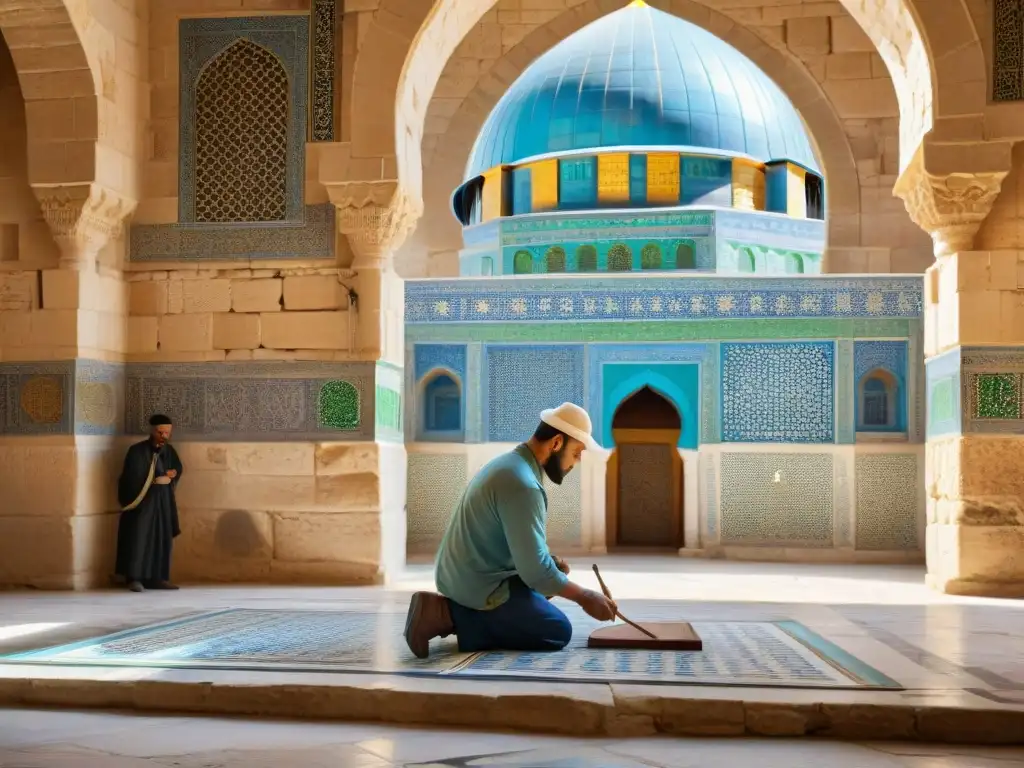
pixel 641 77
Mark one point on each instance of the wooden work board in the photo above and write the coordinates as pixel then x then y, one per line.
pixel 671 636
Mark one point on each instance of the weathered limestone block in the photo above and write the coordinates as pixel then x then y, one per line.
pixel 143 334
pixel 36 552
pixel 148 298
pixel 346 458
pixel 234 330
pixel 355 492
pixel 94 549
pixel 303 292
pixel 206 296
pixel 808 36
pixel 18 291
pixel 37 480
pixel 186 333
pixel 256 295
pixel 264 459
pixel 305 330
pixel 224 545
pixel 203 456
pixel 311 537
pixel 847 36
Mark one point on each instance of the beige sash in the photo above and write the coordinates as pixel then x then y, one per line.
pixel 145 487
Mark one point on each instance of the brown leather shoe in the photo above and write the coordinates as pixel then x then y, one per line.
pixel 428 617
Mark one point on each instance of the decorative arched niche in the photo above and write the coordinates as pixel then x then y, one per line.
pixel 441 409
pixel 880 406
pixel 620 258
pixel 586 258
pixel 522 263
pixel 677 383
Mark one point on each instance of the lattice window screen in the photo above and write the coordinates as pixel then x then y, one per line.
pixel 242 137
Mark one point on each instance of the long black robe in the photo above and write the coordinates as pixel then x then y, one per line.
pixel 146 534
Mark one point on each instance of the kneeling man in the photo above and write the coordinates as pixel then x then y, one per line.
pixel 494 571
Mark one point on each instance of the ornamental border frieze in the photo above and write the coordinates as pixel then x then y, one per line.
pixel 519 300
pixel 590 235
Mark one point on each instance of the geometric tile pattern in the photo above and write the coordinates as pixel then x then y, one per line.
pixel 778 392
pixel 595 299
pixel 843 506
pixel 254 401
pixel 782 498
pixel 887 502
pixel 990 388
pixel 782 653
pixel 997 396
pixel 311 237
pixel 565 510
pixel 204 40
pixel 322 107
pixel 523 380
pixel 1008 51
pixel 890 356
pixel 37 398
pixel 99 397
pixel 435 484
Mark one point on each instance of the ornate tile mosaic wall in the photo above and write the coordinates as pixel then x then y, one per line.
pixel 254 401
pixel 565 517
pixel 37 398
pixel 1008 51
pixel 202 41
pixel 539 230
pixel 515 396
pixel 889 356
pixel 778 392
pixel 99 397
pixel 888 502
pixel 435 484
pixel 777 498
pixel 322 122
pixel 312 238
pixel 595 299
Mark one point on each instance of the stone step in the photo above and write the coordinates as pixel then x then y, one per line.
pixel 951 717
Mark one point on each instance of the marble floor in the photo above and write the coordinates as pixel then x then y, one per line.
pixel 945 651
pixel 46 739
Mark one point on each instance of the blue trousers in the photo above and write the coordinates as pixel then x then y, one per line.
pixel 525 622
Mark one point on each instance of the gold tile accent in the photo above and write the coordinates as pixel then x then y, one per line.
pixel 493 198
pixel 613 178
pixel 663 178
pixel 544 185
pixel 796 196
pixel 747 185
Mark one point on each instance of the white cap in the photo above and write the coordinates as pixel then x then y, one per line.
pixel 572 420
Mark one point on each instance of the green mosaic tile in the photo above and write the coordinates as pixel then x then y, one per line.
pixel 942 402
pixel 997 396
pixel 388 409
pixel 339 405
pixel 692 330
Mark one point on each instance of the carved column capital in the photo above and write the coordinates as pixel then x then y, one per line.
pixel 83 219
pixel 376 217
pixel 949 207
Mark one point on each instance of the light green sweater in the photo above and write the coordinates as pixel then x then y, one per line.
pixel 498 531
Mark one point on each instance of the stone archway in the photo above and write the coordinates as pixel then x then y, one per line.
pixel 406 52
pixel 644 482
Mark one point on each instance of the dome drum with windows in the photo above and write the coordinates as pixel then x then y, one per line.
pixel 642 142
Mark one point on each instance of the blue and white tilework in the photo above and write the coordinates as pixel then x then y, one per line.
pixel 887 355
pixel 690 297
pixel 523 380
pixel 846 427
pixel 599 355
pixel 430 357
pixel 778 392
pixel 37 398
pixel 200 41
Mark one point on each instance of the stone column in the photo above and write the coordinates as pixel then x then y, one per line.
pixel 376 218
pixel 974 353
pixel 79 328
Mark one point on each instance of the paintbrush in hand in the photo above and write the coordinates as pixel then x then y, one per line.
pixel 608 594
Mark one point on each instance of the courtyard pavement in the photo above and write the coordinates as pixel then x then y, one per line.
pixel 952 655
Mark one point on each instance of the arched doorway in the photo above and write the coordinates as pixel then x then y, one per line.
pixel 644 485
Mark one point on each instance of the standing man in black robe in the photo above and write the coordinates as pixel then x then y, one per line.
pixel 149 514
